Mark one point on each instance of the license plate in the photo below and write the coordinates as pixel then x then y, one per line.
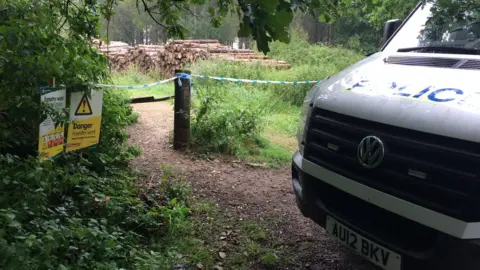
pixel 373 252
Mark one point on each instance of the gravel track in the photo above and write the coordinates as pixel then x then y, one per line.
pixel 242 192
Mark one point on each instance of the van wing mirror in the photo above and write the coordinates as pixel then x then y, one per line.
pixel 390 27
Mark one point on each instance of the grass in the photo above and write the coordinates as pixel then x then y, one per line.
pixel 280 129
pixel 273 120
pixel 276 108
pixel 207 234
pixel 253 230
pixel 210 231
pixel 134 77
pixel 254 122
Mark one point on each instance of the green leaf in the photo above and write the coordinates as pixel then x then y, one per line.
pixel 244 30
pixel 10 216
pixel 324 18
pixel 14 224
pixel 269 5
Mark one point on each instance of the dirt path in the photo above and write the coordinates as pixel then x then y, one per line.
pixel 243 192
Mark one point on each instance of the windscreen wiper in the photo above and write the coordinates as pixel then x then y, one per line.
pixel 441 49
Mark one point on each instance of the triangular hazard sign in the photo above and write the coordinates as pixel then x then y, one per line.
pixel 84 107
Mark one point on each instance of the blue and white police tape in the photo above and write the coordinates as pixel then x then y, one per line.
pixel 255 81
pixel 188 76
pixel 183 76
pixel 136 86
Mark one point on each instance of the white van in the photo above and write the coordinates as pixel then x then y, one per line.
pixel 389 148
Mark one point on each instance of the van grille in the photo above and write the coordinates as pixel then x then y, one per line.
pixel 422 61
pixel 436 172
pixel 434 62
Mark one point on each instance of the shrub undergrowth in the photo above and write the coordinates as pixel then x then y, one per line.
pixel 233 118
pixel 83 210
pixel 220 126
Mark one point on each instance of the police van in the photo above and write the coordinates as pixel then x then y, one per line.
pixel 389 148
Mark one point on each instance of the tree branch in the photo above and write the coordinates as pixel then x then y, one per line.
pixel 73 4
pixel 108 34
pixel 187 9
pixel 66 15
pixel 147 9
pixel 163 11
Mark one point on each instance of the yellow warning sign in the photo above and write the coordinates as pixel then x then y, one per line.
pixel 84 107
pixel 85 120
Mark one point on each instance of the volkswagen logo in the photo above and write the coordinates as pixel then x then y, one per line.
pixel 370 152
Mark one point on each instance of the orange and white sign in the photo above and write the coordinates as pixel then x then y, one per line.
pixel 85 120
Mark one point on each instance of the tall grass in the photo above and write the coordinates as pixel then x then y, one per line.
pixel 322 58
pixel 309 62
pixel 259 120
pixel 221 125
pixel 134 77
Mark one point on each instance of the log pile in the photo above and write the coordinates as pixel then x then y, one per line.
pixel 116 52
pixel 267 63
pixel 177 53
pixel 246 56
pixel 118 62
pixel 141 57
pixel 115 47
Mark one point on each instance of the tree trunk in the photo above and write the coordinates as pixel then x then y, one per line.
pixel 248 44
pixel 141 36
pixel 154 35
pixel 329 34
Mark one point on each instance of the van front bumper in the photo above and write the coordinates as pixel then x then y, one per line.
pixel 420 246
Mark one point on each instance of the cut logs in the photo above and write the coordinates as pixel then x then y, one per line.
pixel 198 41
pixel 177 53
pixel 175 56
pixel 141 58
pixel 266 63
pixel 231 51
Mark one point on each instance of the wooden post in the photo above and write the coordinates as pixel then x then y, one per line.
pixel 51 82
pixel 181 121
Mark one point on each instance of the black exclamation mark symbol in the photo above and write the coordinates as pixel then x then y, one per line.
pixel 84 103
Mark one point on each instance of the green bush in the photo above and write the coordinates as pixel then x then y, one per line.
pixel 34 50
pixel 300 52
pixel 223 123
pixel 85 210
pixel 229 117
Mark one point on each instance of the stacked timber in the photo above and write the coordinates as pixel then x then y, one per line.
pixel 96 43
pixel 141 58
pixel 177 53
pixel 121 56
pixel 247 56
pixel 266 63
pixel 118 62
pixel 115 47
pixel 151 50
pixel 116 52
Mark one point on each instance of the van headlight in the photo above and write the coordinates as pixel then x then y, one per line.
pixel 305 113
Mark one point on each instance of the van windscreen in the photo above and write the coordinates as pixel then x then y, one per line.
pixel 454 24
